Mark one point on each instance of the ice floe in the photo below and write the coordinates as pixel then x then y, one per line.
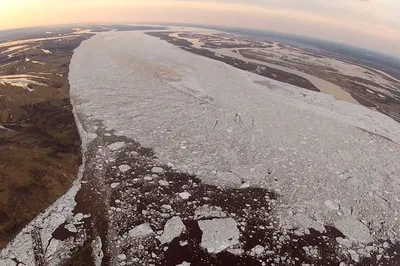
pixel 141 231
pixel 172 229
pixel 219 234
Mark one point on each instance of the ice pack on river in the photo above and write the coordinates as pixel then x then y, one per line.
pixel 189 157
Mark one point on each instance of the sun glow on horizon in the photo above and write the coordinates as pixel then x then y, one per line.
pixel 352 22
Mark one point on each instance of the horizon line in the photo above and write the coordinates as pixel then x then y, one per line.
pixel 206 26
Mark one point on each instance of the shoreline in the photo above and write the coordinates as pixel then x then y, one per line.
pixel 38 122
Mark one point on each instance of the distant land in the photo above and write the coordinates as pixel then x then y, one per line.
pixel 374 59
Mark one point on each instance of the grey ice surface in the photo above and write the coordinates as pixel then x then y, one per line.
pixel 221 124
pixel 218 234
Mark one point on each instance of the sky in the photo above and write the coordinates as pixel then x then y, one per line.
pixel 373 24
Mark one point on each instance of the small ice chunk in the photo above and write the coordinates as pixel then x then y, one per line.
pixel 71 228
pixel 185 263
pixel 354 255
pixel 78 217
pixel 236 251
pixel 184 195
pixel 163 183
pixel 123 168
pixel 121 257
pixel 157 170
pixel 116 146
pixel 245 185
pixel 97 251
pixel 148 178
pixel 258 250
pixel 218 234
pixel 141 230
pixel 114 185
pixel 172 229
pixel 354 230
